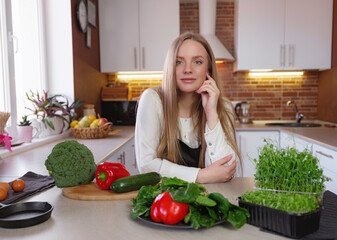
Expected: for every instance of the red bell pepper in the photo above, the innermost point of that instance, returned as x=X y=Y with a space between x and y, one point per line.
x=108 y=172
x=165 y=210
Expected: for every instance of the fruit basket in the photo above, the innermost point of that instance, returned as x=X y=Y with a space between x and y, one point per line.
x=90 y=133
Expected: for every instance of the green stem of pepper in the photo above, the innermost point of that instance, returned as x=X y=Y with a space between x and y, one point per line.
x=102 y=176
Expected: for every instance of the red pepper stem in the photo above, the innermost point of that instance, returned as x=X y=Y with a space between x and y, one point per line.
x=102 y=176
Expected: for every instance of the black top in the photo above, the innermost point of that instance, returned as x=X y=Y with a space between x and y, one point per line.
x=190 y=156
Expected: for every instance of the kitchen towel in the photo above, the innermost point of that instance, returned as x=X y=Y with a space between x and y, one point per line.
x=328 y=222
x=34 y=183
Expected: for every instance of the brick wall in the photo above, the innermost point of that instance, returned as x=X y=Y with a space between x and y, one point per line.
x=268 y=96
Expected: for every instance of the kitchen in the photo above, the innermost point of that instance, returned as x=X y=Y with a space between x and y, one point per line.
x=312 y=93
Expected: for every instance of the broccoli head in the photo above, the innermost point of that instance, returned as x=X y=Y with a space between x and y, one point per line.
x=70 y=164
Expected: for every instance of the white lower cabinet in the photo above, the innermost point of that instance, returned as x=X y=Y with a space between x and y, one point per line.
x=249 y=144
x=327 y=157
x=290 y=140
x=126 y=155
x=328 y=162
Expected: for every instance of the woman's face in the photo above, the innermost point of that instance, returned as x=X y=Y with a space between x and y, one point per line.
x=191 y=66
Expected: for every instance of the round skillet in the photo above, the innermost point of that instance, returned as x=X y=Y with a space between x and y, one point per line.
x=25 y=214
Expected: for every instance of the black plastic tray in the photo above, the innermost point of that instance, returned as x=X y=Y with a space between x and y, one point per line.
x=288 y=224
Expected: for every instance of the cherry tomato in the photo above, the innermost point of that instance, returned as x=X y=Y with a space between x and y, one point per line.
x=5 y=186
x=18 y=185
x=3 y=193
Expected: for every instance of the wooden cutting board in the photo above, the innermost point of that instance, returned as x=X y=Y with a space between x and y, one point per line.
x=91 y=192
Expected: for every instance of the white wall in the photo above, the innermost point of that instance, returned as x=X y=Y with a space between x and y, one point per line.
x=59 y=47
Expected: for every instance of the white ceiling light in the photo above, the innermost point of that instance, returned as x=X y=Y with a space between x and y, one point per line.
x=207 y=24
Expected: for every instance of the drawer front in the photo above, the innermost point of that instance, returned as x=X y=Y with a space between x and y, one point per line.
x=327 y=158
x=328 y=162
x=290 y=140
x=332 y=184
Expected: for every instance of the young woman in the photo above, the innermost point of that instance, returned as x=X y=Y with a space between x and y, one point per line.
x=185 y=128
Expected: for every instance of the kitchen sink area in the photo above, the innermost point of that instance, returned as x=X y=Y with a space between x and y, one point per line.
x=293 y=124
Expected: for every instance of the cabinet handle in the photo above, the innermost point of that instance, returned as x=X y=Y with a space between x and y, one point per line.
x=15 y=40
x=135 y=54
x=324 y=154
x=293 y=55
x=120 y=158
x=282 y=55
x=143 y=53
x=134 y=154
x=123 y=158
x=289 y=55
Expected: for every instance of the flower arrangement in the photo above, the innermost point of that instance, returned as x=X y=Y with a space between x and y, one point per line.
x=53 y=106
x=5 y=139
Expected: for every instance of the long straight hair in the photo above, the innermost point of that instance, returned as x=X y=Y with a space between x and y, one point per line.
x=169 y=94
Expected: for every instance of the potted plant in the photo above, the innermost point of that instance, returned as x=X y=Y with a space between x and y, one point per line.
x=289 y=187
x=54 y=111
x=25 y=130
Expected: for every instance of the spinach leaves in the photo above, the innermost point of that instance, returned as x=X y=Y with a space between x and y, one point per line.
x=204 y=209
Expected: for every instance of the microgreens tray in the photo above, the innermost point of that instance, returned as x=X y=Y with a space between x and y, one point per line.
x=292 y=225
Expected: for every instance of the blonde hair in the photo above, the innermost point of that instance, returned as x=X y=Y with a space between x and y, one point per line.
x=169 y=94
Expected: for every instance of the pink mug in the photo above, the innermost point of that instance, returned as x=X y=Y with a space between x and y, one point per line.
x=26 y=133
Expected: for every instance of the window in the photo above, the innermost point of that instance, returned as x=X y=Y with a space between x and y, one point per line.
x=22 y=53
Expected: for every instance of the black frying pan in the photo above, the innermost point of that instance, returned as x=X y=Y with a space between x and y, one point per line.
x=25 y=214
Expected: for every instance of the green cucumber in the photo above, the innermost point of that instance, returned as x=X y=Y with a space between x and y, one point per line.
x=135 y=182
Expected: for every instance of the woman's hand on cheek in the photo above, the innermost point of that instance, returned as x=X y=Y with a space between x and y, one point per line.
x=217 y=172
x=209 y=96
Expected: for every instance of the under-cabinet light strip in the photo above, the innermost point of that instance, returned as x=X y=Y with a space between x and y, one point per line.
x=259 y=74
x=139 y=75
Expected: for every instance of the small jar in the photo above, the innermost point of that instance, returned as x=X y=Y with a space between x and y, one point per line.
x=89 y=110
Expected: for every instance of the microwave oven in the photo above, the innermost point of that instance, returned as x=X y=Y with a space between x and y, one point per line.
x=120 y=112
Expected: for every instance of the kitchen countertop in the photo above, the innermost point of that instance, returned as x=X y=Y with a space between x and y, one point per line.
x=33 y=160
x=325 y=136
x=72 y=219
x=75 y=219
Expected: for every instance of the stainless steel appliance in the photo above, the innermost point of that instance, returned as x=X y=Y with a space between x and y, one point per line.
x=242 y=112
x=120 y=112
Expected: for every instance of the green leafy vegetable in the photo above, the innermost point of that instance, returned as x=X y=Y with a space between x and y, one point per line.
x=205 y=201
x=222 y=204
x=287 y=179
x=236 y=216
x=288 y=169
x=143 y=202
x=188 y=194
x=71 y=163
x=204 y=209
x=288 y=202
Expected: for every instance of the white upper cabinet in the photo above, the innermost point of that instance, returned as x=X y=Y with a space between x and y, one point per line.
x=136 y=34
x=283 y=34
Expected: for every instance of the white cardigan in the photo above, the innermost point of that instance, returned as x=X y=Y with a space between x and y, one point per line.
x=148 y=134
